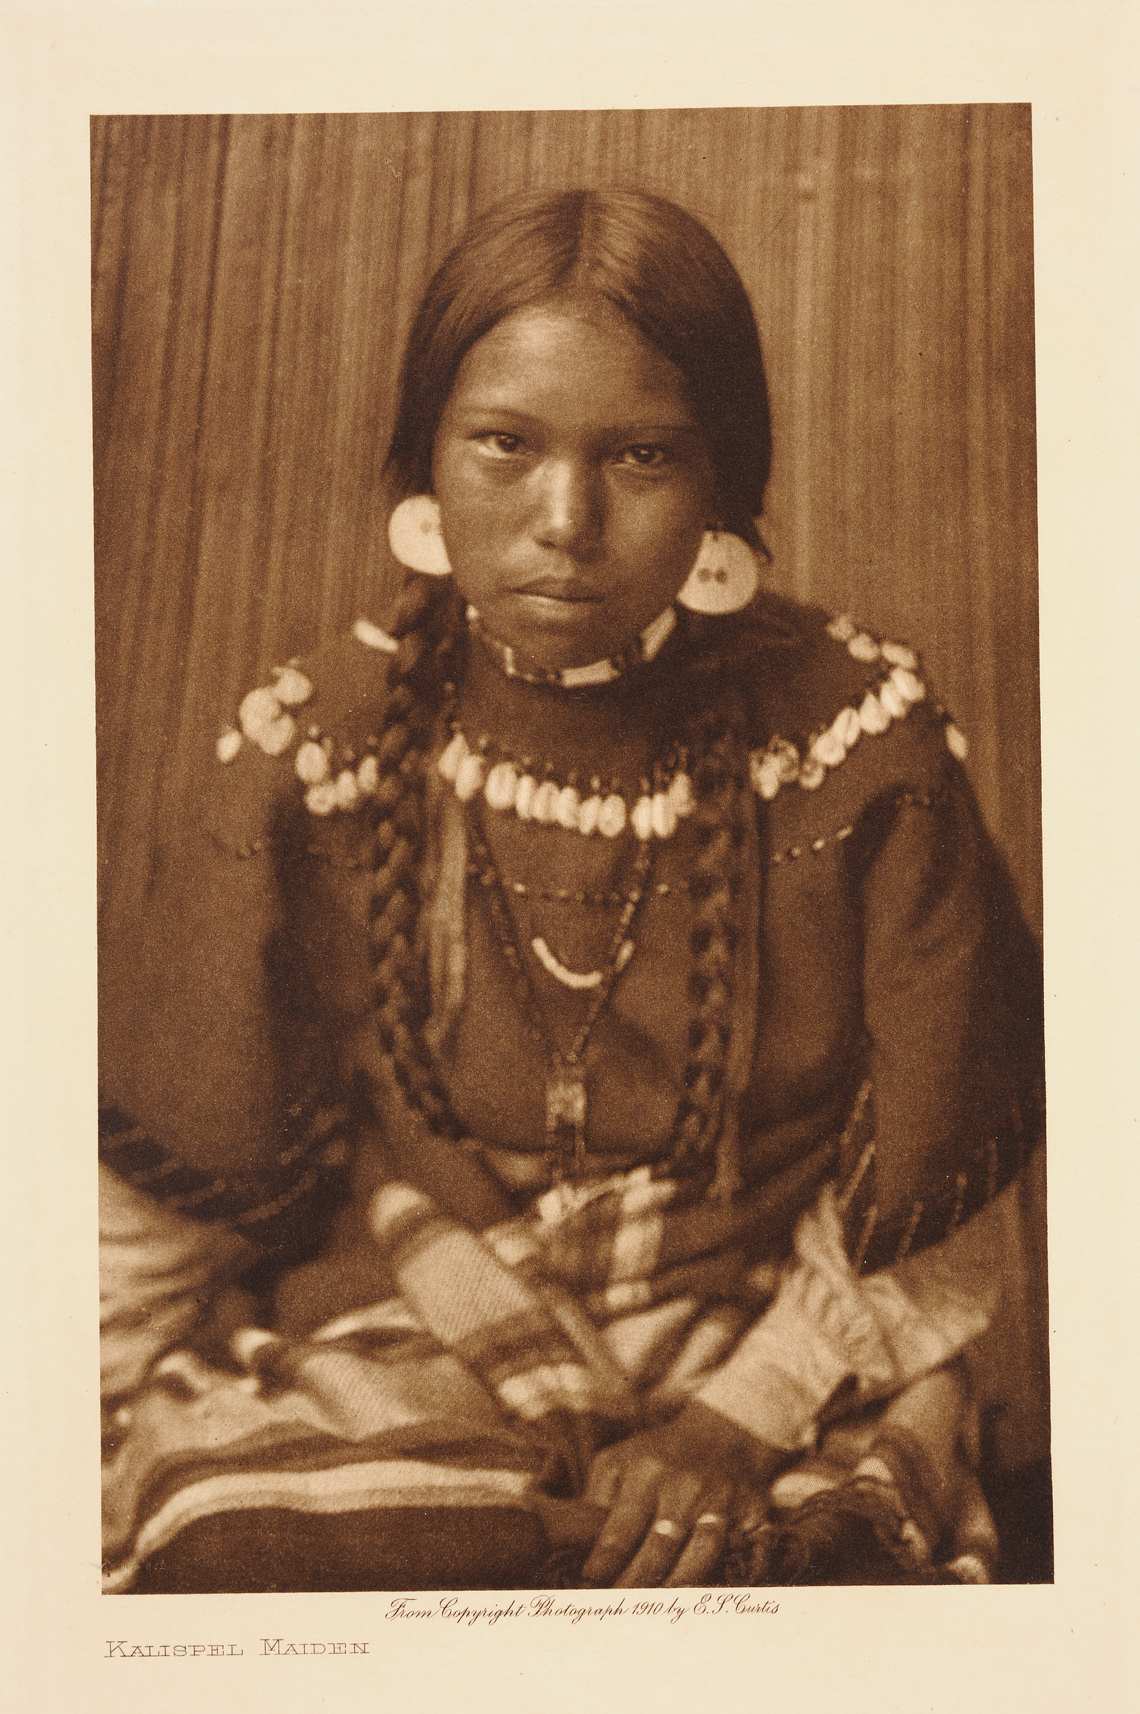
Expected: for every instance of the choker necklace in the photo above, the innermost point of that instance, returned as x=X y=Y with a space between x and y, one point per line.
x=515 y=783
x=513 y=664
x=565 y=1076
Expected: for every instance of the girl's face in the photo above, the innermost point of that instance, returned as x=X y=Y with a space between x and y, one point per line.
x=573 y=482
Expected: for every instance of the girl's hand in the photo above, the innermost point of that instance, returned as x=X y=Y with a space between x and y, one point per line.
x=672 y=1493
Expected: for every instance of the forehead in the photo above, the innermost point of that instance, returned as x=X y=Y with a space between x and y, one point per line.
x=576 y=361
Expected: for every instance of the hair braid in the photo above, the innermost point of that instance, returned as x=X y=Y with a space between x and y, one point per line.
x=426 y=626
x=717 y=783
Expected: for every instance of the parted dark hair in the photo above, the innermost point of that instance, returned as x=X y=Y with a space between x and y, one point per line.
x=671 y=280
x=655 y=264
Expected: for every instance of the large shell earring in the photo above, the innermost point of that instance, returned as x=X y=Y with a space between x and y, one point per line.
x=724 y=577
x=415 y=537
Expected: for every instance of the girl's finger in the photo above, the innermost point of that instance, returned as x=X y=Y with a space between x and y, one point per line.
x=603 y=1480
x=679 y=1501
x=619 y=1536
x=702 y=1553
x=659 y=1552
x=976 y=1548
x=753 y=1514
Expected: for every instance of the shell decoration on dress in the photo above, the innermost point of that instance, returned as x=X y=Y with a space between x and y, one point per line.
x=889 y=698
x=342 y=781
x=264 y=719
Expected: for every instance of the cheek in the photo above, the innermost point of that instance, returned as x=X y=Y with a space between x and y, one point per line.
x=676 y=511
x=665 y=531
x=470 y=511
x=477 y=532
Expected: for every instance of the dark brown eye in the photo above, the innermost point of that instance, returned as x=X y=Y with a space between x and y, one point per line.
x=498 y=444
x=644 y=457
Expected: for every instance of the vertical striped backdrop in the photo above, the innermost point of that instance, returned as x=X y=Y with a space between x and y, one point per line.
x=254 y=278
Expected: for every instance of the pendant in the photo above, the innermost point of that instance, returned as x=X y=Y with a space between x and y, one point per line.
x=573 y=978
x=566 y=1115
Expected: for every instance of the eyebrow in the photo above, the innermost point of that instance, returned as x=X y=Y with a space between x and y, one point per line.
x=476 y=411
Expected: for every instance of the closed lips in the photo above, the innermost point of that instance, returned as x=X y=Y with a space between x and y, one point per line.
x=559 y=589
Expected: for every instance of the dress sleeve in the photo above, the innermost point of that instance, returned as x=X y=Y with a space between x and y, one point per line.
x=827 y=1327
x=883 y=1287
x=212 y=1081
x=952 y=1006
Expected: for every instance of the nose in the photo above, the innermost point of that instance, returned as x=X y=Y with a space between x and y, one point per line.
x=570 y=505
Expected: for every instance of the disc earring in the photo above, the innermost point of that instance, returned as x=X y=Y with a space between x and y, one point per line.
x=724 y=577
x=415 y=538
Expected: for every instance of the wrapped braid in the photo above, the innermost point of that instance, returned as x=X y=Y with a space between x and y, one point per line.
x=426 y=625
x=718 y=781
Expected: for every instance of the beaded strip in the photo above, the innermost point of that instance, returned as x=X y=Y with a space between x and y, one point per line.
x=567 y=896
x=903 y=799
x=993 y=1164
x=792 y=852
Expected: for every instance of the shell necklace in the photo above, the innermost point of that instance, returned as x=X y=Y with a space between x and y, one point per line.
x=535 y=794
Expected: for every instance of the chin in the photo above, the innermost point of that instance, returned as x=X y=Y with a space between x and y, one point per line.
x=558 y=633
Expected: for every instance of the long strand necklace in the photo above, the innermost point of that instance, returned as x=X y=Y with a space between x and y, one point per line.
x=565 y=1076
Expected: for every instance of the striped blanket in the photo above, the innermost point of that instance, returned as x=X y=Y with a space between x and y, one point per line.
x=442 y=1438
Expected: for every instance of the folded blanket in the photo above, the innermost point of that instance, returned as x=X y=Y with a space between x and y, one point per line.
x=404 y=1444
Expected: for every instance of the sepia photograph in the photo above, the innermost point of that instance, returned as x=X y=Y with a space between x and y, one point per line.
x=571 y=1057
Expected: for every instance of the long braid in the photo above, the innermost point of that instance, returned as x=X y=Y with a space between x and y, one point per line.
x=426 y=625
x=713 y=885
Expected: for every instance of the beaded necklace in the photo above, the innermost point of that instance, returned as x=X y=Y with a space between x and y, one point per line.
x=572 y=896
x=565 y=1077
x=513 y=664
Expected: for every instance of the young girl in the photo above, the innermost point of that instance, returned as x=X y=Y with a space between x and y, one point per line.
x=588 y=1009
